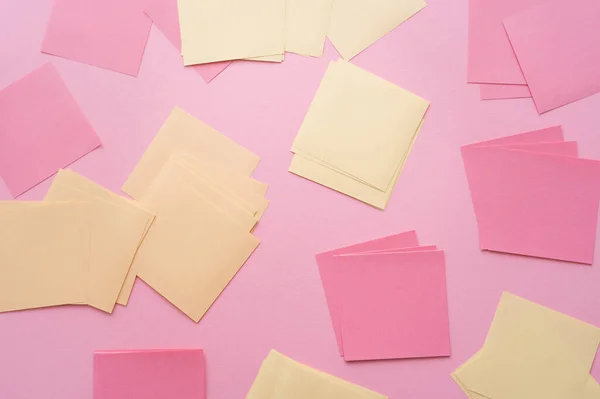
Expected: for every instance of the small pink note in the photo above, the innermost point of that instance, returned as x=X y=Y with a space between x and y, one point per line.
x=152 y=374
x=42 y=130
x=503 y=92
x=394 y=305
x=556 y=44
x=109 y=34
x=165 y=15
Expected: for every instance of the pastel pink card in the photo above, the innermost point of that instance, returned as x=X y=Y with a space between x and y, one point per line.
x=42 y=130
x=152 y=374
x=546 y=135
x=503 y=92
x=556 y=44
x=165 y=15
x=491 y=58
x=394 y=305
x=109 y=34
x=534 y=204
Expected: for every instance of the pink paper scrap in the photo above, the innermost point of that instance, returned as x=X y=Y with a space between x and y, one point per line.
x=503 y=92
x=42 y=130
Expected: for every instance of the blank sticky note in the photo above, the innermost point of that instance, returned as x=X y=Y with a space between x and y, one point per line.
x=221 y=30
x=306 y=26
x=150 y=374
x=556 y=44
x=109 y=34
x=184 y=133
x=357 y=24
x=42 y=129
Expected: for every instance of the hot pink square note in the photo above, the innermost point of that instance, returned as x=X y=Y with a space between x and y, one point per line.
x=109 y=34
x=153 y=374
x=394 y=305
x=42 y=130
x=556 y=44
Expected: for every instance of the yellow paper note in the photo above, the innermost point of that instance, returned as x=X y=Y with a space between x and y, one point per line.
x=356 y=24
x=74 y=180
x=306 y=26
x=220 y=30
x=360 y=125
x=283 y=378
x=43 y=256
x=183 y=132
x=543 y=353
x=192 y=250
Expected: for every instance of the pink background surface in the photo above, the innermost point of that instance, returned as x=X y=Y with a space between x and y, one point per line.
x=276 y=301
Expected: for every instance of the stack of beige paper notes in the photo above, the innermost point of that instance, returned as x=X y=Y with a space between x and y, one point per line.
x=280 y=377
x=75 y=247
x=532 y=352
x=357 y=134
x=263 y=30
x=198 y=183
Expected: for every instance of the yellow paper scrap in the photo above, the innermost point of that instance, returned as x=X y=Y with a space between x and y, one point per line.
x=306 y=26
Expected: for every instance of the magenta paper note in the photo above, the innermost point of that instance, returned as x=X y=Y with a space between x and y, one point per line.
x=328 y=274
x=165 y=16
x=153 y=374
x=534 y=204
x=556 y=44
x=502 y=92
x=42 y=129
x=109 y=34
x=491 y=57
x=394 y=305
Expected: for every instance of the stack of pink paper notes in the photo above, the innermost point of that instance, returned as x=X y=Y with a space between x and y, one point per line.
x=387 y=298
x=545 y=49
x=533 y=196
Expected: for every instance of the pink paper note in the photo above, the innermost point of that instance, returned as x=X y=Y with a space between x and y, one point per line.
x=165 y=15
x=556 y=44
x=534 y=204
x=153 y=374
x=109 y=34
x=502 y=92
x=394 y=305
x=406 y=239
x=562 y=148
x=546 y=135
x=42 y=129
x=491 y=57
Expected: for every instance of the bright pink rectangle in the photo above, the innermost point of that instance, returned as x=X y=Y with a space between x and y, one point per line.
x=165 y=15
x=152 y=374
x=109 y=34
x=503 y=92
x=42 y=129
x=556 y=44
x=394 y=305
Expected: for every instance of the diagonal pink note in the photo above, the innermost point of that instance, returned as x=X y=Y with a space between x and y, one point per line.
x=164 y=14
x=152 y=374
x=549 y=134
x=394 y=305
x=109 y=34
x=556 y=44
x=503 y=92
x=42 y=130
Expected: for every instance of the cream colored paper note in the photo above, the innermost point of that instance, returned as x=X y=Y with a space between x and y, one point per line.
x=357 y=24
x=360 y=125
x=220 y=30
x=306 y=26
x=183 y=132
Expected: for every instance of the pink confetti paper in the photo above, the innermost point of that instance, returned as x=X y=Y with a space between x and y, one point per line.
x=152 y=374
x=42 y=129
x=109 y=34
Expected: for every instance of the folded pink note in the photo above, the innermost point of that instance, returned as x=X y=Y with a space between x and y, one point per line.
x=491 y=57
x=503 y=92
x=152 y=374
x=534 y=204
x=109 y=34
x=42 y=129
x=556 y=44
x=394 y=305
x=165 y=15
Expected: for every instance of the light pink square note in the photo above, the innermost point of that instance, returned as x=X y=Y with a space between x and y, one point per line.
x=109 y=34
x=152 y=374
x=556 y=44
x=42 y=129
